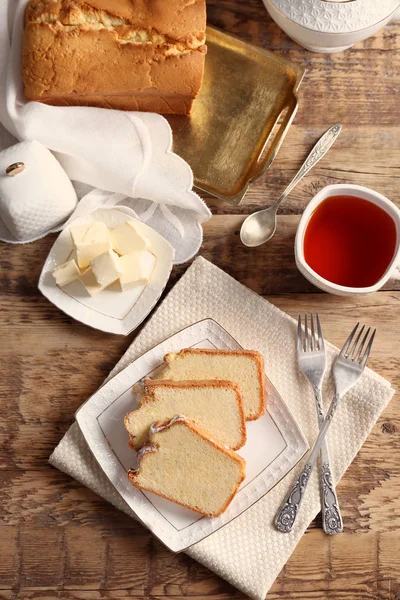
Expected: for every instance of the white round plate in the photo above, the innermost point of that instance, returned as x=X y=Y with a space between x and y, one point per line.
x=111 y=310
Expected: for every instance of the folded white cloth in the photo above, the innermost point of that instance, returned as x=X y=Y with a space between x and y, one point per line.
x=128 y=153
x=248 y=552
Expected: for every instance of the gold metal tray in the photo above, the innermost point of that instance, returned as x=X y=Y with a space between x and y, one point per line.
x=240 y=118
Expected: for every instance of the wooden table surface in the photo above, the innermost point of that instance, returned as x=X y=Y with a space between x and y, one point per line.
x=58 y=539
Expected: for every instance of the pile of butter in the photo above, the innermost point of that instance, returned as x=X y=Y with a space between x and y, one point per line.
x=102 y=256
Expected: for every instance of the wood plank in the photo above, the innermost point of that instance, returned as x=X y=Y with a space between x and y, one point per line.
x=48 y=497
x=368 y=492
x=85 y=558
x=97 y=558
x=42 y=438
x=362 y=155
x=34 y=492
x=182 y=576
x=27 y=445
x=42 y=560
x=55 y=383
x=351 y=85
x=268 y=270
x=353 y=575
x=58 y=539
x=346 y=566
x=65 y=384
x=9 y=557
x=388 y=554
x=341 y=567
x=104 y=595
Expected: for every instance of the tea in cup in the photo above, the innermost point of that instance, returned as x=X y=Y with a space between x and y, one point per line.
x=348 y=240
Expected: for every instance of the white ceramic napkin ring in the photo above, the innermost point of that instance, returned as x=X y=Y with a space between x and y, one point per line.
x=15 y=168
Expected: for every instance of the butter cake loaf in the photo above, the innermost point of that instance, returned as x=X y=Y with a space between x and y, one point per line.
x=145 y=55
x=244 y=367
x=185 y=466
x=215 y=406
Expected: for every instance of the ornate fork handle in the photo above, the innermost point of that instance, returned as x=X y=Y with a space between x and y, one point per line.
x=287 y=515
x=331 y=518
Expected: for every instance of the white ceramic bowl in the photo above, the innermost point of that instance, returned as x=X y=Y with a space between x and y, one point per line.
x=325 y=26
x=392 y=272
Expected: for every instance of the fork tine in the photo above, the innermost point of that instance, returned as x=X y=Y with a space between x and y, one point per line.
x=306 y=333
x=348 y=341
x=314 y=343
x=354 y=347
x=367 y=350
x=357 y=357
x=321 y=342
x=299 y=335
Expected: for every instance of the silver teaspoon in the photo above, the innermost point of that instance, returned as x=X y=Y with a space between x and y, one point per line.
x=259 y=227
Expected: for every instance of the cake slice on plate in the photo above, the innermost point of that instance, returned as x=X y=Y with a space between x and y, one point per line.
x=185 y=466
x=244 y=367
x=216 y=406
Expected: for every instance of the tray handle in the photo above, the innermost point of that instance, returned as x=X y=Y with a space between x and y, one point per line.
x=262 y=165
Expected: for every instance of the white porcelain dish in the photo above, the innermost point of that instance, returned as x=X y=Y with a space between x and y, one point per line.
x=275 y=443
x=325 y=26
x=111 y=310
x=393 y=271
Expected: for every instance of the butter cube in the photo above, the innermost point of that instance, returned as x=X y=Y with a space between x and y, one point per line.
x=137 y=269
x=106 y=268
x=90 y=240
x=66 y=273
x=90 y=283
x=126 y=239
x=89 y=233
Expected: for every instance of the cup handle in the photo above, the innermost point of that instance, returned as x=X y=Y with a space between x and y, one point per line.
x=396 y=273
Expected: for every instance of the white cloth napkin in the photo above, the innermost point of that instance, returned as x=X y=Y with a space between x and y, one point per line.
x=128 y=153
x=248 y=552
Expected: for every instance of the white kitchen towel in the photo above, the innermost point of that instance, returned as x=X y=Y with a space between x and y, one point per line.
x=248 y=552
x=128 y=153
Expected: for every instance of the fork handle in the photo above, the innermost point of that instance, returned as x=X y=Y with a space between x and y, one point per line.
x=331 y=518
x=287 y=515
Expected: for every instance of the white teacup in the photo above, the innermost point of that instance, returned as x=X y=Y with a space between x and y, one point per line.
x=393 y=269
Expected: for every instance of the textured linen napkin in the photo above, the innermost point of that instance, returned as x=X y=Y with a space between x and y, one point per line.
x=128 y=153
x=248 y=552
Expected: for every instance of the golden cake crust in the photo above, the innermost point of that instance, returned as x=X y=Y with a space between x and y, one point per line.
x=124 y=54
x=178 y=19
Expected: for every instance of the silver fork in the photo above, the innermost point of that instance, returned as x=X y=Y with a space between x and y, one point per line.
x=347 y=370
x=312 y=363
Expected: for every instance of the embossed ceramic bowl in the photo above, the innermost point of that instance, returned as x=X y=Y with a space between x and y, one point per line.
x=326 y=26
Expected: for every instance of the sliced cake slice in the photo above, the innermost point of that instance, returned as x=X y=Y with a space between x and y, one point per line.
x=185 y=466
x=244 y=367
x=216 y=406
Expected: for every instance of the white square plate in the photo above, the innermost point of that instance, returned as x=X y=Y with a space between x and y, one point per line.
x=111 y=310
x=274 y=443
